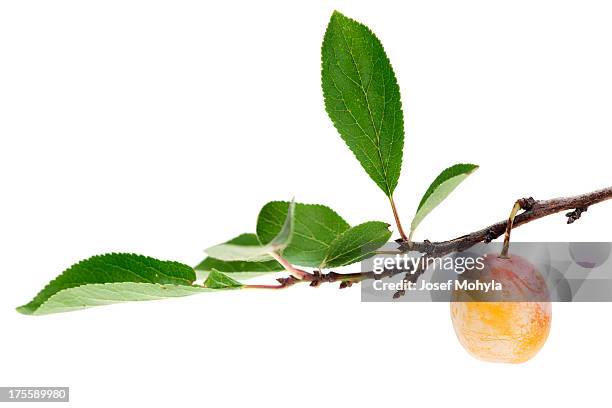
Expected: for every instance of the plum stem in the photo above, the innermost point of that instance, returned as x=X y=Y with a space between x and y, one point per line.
x=515 y=208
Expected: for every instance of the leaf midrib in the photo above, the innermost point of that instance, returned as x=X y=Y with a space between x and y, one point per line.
x=306 y=237
x=371 y=116
x=347 y=251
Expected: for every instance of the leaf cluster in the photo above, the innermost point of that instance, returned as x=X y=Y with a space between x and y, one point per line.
x=362 y=99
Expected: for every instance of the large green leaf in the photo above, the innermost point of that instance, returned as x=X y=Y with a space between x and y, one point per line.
x=101 y=294
x=257 y=253
x=316 y=227
x=362 y=98
x=113 y=278
x=441 y=187
x=356 y=244
x=238 y=269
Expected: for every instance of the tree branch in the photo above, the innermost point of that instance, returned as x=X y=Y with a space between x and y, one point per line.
x=317 y=278
x=533 y=210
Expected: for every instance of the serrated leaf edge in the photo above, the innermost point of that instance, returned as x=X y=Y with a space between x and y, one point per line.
x=326 y=260
x=82 y=261
x=390 y=189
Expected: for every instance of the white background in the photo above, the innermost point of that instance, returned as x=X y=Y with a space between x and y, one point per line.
x=161 y=127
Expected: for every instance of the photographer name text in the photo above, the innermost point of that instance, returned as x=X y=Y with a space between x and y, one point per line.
x=451 y=284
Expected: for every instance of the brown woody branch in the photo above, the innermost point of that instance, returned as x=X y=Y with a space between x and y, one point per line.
x=316 y=278
x=533 y=210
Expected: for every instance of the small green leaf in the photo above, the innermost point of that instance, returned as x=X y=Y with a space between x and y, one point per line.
x=257 y=253
x=113 y=278
x=356 y=244
x=238 y=269
x=316 y=227
x=441 y=187
x=362 y=98
x=218 y=280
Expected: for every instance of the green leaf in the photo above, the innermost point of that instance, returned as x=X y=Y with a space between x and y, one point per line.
x=356 y=244
x=441 y=187
x=362 y=98
x=218 y=280
x=113 y=278
x=316 y=227
x=101 y=294
x=257 y=253
x=238 y=269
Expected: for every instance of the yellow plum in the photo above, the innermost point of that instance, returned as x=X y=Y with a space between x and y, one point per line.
x=503 y=330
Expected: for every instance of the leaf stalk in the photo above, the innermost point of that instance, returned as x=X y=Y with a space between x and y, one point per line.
x=398 y=222
x=295 y=272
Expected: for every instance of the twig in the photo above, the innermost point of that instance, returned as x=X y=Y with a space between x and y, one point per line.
x=413 y=276
x=533 y=210
x=317 y=278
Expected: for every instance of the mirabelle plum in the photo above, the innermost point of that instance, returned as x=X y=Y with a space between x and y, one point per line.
x=504 y=331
